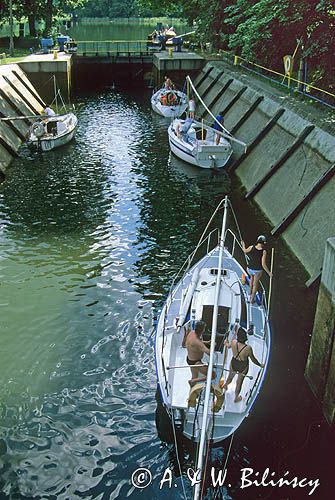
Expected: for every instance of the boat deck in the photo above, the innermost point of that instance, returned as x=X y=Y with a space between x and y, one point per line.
x=172 y=365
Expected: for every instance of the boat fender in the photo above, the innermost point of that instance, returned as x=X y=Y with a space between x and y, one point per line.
x=196 y=390
x=38 y=129
x=194 y=394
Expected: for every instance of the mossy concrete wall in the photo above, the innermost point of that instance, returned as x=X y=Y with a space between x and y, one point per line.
x=18 y=98
x=309 y=229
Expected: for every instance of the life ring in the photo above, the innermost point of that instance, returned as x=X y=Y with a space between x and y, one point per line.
x=38 y=129
x=218 y=393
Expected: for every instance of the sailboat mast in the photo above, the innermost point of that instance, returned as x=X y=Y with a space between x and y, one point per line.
x=55 y=93
x=226 y=132
x=211 y=353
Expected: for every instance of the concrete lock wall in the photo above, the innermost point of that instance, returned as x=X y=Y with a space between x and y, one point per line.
x=320 y=368
x=42 y=69
x=295 y=180
x=17 y=98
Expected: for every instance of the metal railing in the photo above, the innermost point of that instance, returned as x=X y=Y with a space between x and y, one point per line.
x=113 y=47
x=266 y=335
x=302 y=87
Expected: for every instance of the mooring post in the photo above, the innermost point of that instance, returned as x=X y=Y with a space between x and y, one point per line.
x=320 y=368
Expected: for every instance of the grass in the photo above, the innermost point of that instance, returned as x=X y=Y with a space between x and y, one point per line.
x=19 y=54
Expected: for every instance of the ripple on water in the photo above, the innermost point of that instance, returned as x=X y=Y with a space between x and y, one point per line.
x=89 y=246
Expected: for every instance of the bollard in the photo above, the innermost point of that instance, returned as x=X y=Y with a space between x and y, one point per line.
x=55 y=53
x=235 y=60
x=170 y=51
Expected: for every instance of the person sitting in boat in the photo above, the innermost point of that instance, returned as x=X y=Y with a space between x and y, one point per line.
x=168 y=85
x=183 y=128
x=163 y=100
x=257 y=262
x=171 y=98
x=217 y=126
x=195 y=349
x=240 y=361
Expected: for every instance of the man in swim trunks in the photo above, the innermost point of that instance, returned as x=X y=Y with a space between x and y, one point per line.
x=195 y=349
x=240 y=361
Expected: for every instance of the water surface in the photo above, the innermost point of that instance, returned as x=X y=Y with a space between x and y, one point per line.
x=91 y=236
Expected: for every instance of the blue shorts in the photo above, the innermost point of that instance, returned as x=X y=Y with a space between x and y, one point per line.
x=253 y=272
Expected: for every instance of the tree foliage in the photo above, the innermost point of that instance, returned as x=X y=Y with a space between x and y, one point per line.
x=266 y=30
x=38 y=10
x=111 y=8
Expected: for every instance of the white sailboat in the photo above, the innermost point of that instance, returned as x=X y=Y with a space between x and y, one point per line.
x=52 y=131
x=198 y=146
x=198 y=143
x=214 y=291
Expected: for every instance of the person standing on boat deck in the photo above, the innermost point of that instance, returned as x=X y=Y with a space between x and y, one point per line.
x=240 y=361
x=191 y=108
x=168 y=85
x=183 y=128
x=195 y=349
x=257 y=262
x=49 y=111
x=217 y=126
x=51 y=125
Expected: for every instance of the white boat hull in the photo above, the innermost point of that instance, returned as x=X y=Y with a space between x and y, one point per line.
x=201 y=153
x=172 y=111
x=49 y=141
x=173 y=372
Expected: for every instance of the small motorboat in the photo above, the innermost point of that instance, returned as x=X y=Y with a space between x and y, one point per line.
x=198 y=145
x=213 y=290
x=169 y=103
x=52 y=131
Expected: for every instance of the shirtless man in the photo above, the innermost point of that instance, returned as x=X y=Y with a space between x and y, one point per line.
x=195 y=349
x=240 y=361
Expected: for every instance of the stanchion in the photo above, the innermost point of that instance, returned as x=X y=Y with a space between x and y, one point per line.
x=270 y=286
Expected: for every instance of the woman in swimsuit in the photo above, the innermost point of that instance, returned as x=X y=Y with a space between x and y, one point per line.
x=240 y=361
x=257 y=262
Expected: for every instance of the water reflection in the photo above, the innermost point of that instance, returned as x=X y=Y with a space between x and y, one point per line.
x=119 y=31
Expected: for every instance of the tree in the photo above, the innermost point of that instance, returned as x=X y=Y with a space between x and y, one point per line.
x=39 y=10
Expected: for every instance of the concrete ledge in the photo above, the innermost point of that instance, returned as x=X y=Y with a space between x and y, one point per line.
x=178 y=61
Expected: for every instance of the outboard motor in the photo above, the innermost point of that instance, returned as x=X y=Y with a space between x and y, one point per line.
x=179 y=417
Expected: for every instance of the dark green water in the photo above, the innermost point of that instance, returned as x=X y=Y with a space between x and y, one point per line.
x=121 y=31
x=91 y=236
